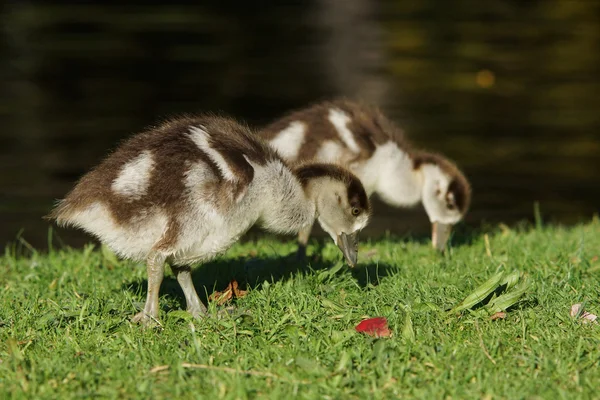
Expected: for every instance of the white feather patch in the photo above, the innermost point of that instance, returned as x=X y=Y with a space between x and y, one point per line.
x=134 y=178
x=133 y=240
x=435 y=187
x=197 y=175
x=288 y=141
x=274 y=198
x=331 y=152
x=340 y=120
x=390 y=173
x=200 y=138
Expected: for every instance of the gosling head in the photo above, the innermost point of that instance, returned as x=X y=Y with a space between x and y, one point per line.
x=446 y=195
x=342 y=205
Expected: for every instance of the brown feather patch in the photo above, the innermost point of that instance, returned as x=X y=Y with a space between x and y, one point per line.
x=368 y=125
x=173 y=152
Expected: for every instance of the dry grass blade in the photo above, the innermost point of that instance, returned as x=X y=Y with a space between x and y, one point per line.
x=263 y=374
x=159 y=368
x=488 y=248
x=482 y=344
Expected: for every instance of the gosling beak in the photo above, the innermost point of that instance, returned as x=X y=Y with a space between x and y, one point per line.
x=348 y=243
x=439 y=235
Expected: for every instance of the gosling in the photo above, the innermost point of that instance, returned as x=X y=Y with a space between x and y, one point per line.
x=185 y=191
x=360 y=137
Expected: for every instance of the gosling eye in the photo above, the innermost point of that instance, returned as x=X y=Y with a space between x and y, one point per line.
x=355 y=211
x=338 y=197
x=450 y=206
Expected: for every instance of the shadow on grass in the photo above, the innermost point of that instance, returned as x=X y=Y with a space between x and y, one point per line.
x=250 y=271
x=461 y=236
x=253 y=272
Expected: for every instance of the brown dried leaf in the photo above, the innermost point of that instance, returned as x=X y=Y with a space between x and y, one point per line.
x=576 y=309
x=589 y=317
x=222 y=297
x=498 y=315
x=237 y=292
x=231 y=291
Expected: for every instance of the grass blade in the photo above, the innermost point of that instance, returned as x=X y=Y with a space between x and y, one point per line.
x=408 y=332
x=509 y=299
x=511 y=280
x=480 y=293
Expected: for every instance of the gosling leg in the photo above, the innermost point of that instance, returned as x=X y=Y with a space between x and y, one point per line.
x=194 y=305
x=303 y=236
x=155 y=267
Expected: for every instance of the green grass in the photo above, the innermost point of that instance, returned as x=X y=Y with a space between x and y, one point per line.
x=65 y=330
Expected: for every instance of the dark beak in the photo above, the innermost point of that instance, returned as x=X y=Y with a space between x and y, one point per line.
x=439 y=235
x=348 y=243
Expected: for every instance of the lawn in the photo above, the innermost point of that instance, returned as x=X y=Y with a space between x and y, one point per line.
x=65 y=330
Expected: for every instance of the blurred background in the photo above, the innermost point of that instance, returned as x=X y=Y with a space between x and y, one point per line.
x=508 y=89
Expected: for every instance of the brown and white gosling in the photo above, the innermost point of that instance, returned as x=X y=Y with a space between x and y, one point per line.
x=374 y=148
x=186 y=190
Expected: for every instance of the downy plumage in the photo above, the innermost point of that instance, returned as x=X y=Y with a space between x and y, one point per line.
x=186 y=190
x=361 y=138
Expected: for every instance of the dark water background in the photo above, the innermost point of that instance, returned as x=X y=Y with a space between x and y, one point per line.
x=509 y=89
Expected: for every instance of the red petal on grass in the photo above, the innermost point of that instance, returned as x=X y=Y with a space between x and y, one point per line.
x=376 y=327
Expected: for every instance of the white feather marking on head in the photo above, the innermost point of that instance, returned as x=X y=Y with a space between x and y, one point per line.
x=435 y=189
